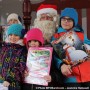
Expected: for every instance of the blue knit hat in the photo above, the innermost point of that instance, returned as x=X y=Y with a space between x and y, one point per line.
x=15 y=29
x=70 y=12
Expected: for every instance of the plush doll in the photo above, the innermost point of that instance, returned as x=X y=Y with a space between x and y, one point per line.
x=74 y=56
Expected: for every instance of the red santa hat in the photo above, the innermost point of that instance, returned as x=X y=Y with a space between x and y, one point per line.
x=52 y=9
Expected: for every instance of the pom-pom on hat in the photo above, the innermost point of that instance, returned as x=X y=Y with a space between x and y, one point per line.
x=15 y=29
x=14 y=16
x=70 y=12
x=35 y=34
x=47 y=8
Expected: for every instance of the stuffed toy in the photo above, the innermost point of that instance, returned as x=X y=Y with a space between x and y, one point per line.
x=74 y=56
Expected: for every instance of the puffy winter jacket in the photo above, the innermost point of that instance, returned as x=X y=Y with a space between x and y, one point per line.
x=78 y=71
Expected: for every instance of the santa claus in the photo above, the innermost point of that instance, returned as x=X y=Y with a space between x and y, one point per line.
x=47 y=20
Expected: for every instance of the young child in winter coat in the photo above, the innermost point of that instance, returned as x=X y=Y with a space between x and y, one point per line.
x=68 y=20
x=12 y=18
x=35 y=38
x=13 y=58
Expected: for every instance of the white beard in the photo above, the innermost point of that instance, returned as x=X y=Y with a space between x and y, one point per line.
x=47 y=27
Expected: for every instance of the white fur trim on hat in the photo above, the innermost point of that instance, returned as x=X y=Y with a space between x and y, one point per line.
x=47 y=10
x=13 y=16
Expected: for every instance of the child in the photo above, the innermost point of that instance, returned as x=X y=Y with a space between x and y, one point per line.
x=12 y=18
x=34 y=38
x=12 y=58
x=68 y=20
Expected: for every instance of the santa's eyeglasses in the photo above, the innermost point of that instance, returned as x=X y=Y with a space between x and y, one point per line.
x=46 y=17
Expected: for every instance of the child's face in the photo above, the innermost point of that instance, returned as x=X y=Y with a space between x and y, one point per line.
x=33 y=43
x=67 y=23
x=13 y=38
x=12 y=21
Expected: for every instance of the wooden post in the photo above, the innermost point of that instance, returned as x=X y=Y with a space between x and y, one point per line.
x=27 y=14
x=79 y=16
x=88 y=23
